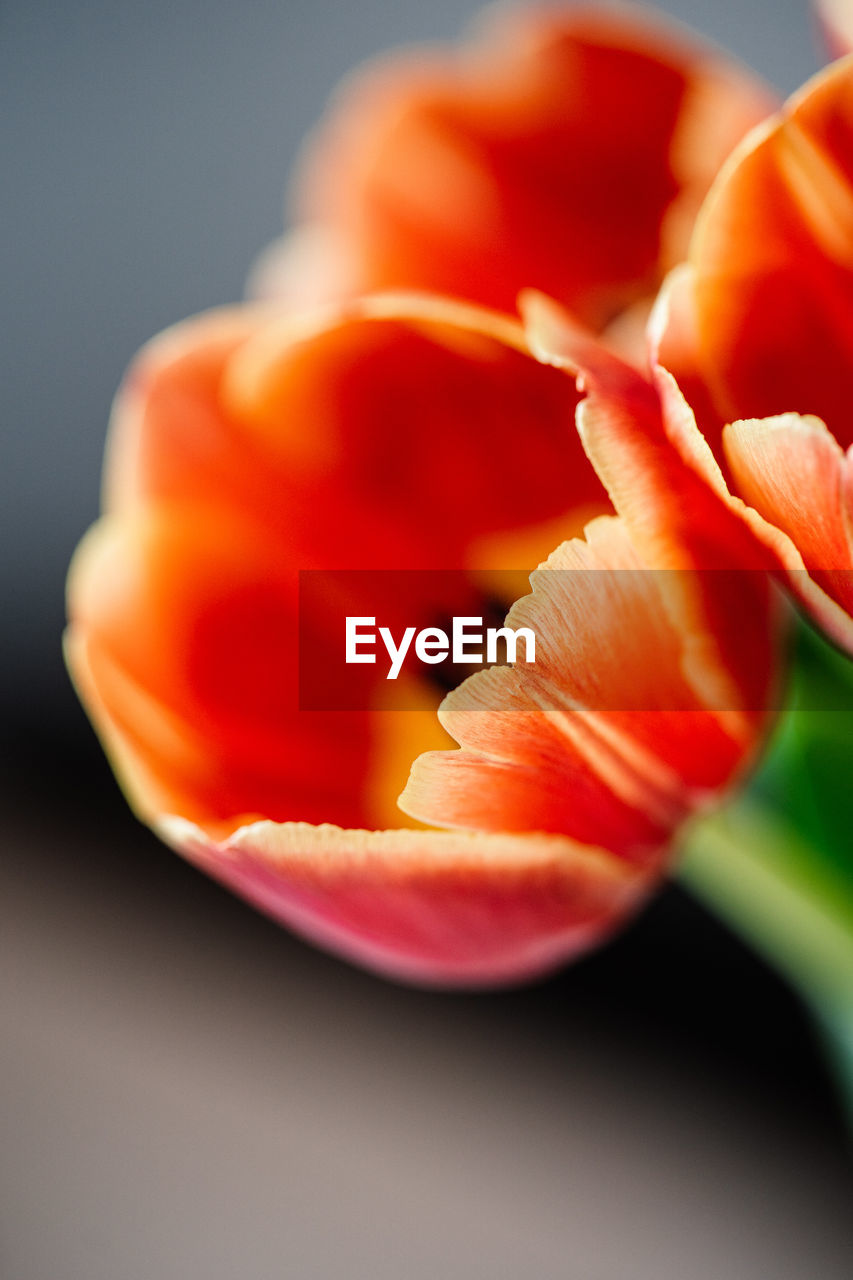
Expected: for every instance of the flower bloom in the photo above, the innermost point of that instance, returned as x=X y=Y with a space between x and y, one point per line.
x=766 y=306
x=565 y=150
x=416 y=434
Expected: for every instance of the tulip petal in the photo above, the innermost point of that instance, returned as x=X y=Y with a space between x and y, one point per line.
x=675 y=346
x=773 y=261
x=794 y=473
x=373 y=413
x=660 y=474
x=424 y=906
x=771 y=271
x=183 y=639
x=525 y=768
x=672 y=344
x=504 y=164
x=419 y=404
x=595 y=740
x=171 y=393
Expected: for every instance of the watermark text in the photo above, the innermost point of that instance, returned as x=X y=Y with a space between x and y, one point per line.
x=469 y=642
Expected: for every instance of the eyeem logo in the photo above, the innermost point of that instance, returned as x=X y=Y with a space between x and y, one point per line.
x=433 y=645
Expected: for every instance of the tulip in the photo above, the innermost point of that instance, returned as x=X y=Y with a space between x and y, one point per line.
x=564 y=150
x=413 y=434
x=761 y=334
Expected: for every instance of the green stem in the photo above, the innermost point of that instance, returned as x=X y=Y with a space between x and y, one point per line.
x=763 y=880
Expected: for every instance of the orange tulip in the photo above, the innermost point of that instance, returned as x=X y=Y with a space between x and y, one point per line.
x=763 y=329
x=560 y=149
x=413 y=434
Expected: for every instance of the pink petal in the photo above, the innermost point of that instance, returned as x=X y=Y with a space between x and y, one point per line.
x=431 y=907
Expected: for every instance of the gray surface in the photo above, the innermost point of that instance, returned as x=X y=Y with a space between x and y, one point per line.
x=189 y=1093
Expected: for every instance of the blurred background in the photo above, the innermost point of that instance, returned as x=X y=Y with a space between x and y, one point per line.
x=187 y=1090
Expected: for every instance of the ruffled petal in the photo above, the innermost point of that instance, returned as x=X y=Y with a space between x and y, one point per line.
x=430 y=907
x=606 y=739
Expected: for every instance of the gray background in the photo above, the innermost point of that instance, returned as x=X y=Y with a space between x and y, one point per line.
x=187 y=1091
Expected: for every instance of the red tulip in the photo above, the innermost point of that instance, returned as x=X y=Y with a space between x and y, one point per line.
x=413 y=434
x=763 y=339
x=562 y=149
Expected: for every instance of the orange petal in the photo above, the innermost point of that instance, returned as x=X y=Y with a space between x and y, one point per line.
x=429 y=907
x=795 y=474
x=526 y=768
x=418 y=405
x=663 y=480
x=675 y=347
x=645 y=447
x=373 y=414
x=170 y=437
x=504 y=163
x=672 y=343
x=183 y=639
x=596 y=740
x=773 y=261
